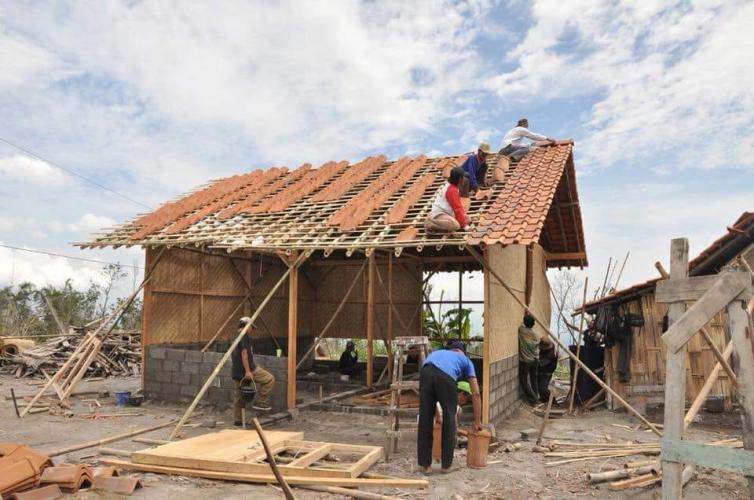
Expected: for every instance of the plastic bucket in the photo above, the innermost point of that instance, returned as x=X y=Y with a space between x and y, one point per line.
x=479 y=446
x=121 y=397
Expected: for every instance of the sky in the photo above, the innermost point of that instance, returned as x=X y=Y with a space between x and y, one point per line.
x=151 y=99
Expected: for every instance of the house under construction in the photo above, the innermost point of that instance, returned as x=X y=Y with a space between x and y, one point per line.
x=350 y=239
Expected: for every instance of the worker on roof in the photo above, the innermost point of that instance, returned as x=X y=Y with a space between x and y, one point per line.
x=513 y=143
x=447 y=213
x=349 y=360
x=244 y=371
x=475 y=167
x=438 y=383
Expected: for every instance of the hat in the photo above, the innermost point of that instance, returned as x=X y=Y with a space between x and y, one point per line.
x=244 y=321
x=457 y=344
x=456 y=174
x=463 y=386
x=485 y=148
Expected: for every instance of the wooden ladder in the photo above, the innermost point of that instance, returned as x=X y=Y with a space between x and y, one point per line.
x=402 y=346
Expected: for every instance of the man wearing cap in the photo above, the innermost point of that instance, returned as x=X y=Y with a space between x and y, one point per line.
x=447 y=213
x=513 y=146
x=244 y=370
x=438 y=383
x=476 y=167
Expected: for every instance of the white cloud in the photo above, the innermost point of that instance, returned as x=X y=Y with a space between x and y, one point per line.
x=674 y=80
x=89 y=223
x=22 y=61
x=22 y=168
x=18 y=267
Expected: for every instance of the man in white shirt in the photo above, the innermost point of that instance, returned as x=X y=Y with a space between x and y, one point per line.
x=512 y=145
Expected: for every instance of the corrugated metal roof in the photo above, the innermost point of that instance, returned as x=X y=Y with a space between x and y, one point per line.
x=374 y=203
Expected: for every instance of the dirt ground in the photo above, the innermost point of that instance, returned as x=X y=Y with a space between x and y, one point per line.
x=520 y=474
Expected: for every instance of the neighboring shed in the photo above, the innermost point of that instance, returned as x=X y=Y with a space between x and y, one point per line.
x=648 y=353
x=222 y=248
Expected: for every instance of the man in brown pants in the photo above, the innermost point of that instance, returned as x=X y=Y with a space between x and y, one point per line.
x=243 y=369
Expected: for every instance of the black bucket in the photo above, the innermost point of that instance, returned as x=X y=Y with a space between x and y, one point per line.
x=248 y=390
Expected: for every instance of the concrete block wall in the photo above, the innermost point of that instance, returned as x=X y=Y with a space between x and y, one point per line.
x=503 y=388
x=177 y=373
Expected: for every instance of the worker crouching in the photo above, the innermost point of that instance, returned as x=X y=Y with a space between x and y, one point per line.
x=447 y=214
x=245 y=371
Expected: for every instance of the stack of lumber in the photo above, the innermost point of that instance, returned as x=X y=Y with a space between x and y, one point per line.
x=409 y=399
x=238 y=455
x=571 y=451
x=120 y=355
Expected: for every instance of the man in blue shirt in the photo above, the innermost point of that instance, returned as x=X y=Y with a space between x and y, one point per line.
x=476 y=167
x=438 y=381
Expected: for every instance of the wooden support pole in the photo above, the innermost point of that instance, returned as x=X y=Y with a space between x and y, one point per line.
x=675 y=378
x=706 y=388
x=232 y=347
x=554 y=338
x=578 y=348
x=274 y=466
x=370 y=321
x=740 y=335
x=292 y=333
x=334 y=315
x=389 y=343
x=545 y=419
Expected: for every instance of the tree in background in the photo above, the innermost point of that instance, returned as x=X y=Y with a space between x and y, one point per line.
x=567 y=289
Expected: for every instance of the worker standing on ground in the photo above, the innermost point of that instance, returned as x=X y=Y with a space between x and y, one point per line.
x=528 y=359
x=438 y=383
x=348 y=363
x=475 y=167
x=245 y=371
x=548 y=363
x=447 y=213
x=513 y=146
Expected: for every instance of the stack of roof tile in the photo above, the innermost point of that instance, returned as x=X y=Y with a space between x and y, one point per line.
x=301 y=188
x=354 y=175
x=70 y=478
x=20 y=467
x=49 y=492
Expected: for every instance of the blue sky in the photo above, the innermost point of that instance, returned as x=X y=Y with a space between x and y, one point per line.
x=154 y=98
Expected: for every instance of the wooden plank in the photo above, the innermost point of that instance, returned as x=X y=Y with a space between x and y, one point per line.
x=269 y=478
x=292 y=334
x=740 y=334
x=686 y=290
x=311 y=457
x=366 y=462
x=675 y=381
x=704 y=455
x=727 y=287
x=370 y=321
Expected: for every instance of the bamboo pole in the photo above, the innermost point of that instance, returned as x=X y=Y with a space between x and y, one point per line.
x=578 y=350
x=110 y=439
x=334 y=315
x=617 y=280
x=233 y=345
x=583 y=366
x=271 y=458
x=348 y=492
x=370 y=321
x=611 y=475
x=719 y=356
x=544 y=420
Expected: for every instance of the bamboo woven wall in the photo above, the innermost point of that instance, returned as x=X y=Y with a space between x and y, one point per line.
x=502 y=312
x=333 y=283
x=648 y=355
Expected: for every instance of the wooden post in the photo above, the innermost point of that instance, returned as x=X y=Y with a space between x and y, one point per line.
x=370 y=321
x=675 y=378
x=740 y=335
x=232 y=347
x=292 y=333
x=271 y=458
x=544 y=420
x=390 y=316
x=578 y=348
x=486 y=377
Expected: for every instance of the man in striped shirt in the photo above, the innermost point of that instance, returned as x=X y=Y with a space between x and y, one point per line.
x=447 y=213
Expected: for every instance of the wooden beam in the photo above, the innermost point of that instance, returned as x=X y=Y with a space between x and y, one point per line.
x=678 y=451
x=725 y=289
x=721 y=360
x=688 y=289
x=292 y=333
x=370 y=321
x=740 y=334
x=390 y=316
x=675 y=377
x=565 y=256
